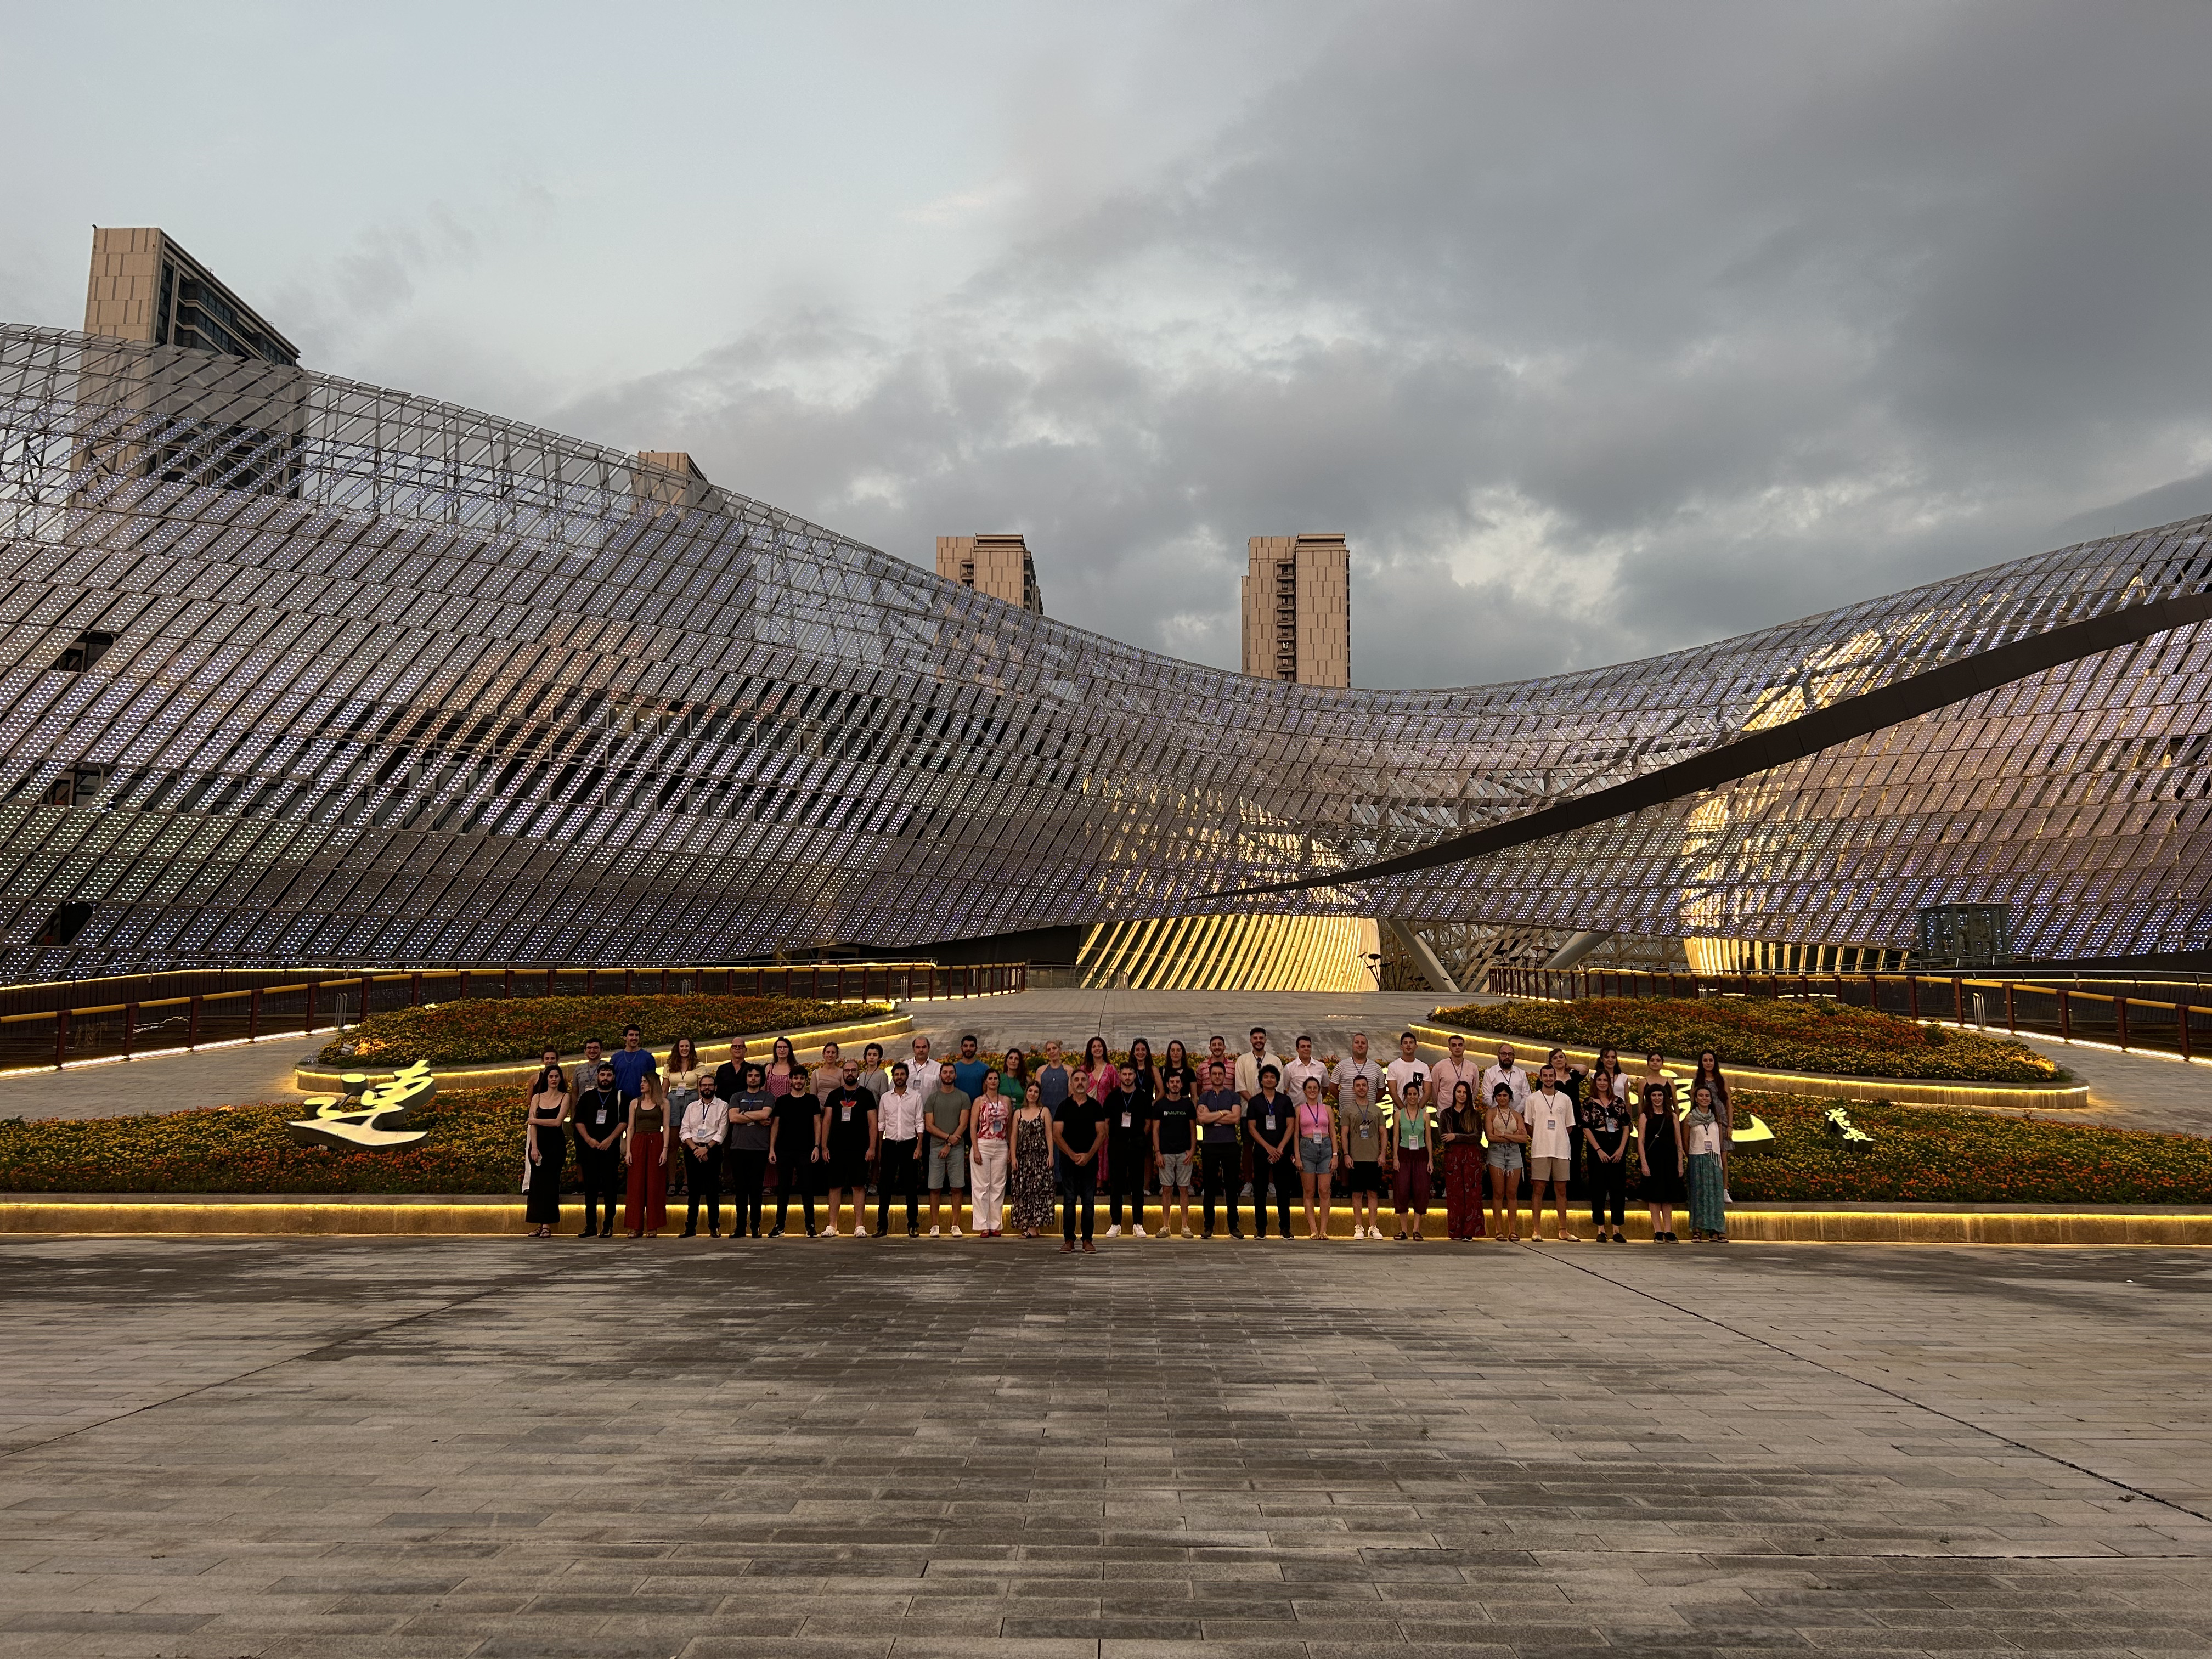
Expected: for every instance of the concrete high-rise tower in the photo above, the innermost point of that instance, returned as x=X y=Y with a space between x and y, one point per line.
x=1297 y=610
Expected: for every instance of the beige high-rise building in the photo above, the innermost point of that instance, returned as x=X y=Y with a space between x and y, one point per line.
x=144 y=287
x=1297 y=610
x=1000 y=566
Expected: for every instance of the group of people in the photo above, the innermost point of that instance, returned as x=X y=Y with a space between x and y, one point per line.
x=1019 y=1137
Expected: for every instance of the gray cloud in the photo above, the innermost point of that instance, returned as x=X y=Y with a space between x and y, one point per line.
x=1602 y=330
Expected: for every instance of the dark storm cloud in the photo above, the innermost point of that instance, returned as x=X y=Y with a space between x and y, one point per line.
x=1600 y=329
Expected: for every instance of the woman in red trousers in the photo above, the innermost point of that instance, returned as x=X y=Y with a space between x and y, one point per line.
x=646 y=1150
x=1460 y=1126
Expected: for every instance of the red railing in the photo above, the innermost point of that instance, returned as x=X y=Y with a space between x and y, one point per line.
x=2173 y=1018
x=59 y=1022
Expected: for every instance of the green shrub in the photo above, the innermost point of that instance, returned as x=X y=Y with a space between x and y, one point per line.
x=1795 y=1034
x=486 y=1029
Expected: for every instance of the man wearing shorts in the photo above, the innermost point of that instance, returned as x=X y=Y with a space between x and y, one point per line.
x=1174 y=1117
x=1359 y=1132
x=945 y=1121
x=1410 y=1140
x=1550 y=1115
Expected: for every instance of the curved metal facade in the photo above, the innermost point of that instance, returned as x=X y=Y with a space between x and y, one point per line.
x=302 y=670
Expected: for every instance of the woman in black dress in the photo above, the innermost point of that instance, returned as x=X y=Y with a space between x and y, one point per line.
x=1178 y=1061
x=547 y=1141
x=1659 y=1161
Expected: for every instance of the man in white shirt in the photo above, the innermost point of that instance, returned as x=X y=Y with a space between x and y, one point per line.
x=1305 y=1066
x=922 y=1071
x=1408 y=1068
x=1447 y=1074
x=1549 y=1116
x=1248 y=1065
x=1512 y=1076
x=898 y=1129
x=706 y=1120
x=1358 y=1066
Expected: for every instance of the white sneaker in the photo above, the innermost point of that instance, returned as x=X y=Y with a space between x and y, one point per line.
x=1374 y=1232
x=1139 y=1232
x=1187 y=1233
x=956 y=1232
x=1114 y=1231
x=932 y=1232
x=828 y=1232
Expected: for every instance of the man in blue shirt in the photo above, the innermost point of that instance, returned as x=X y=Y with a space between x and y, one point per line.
x=632 y=1061
x=968 y=1070
x=1219 y=1110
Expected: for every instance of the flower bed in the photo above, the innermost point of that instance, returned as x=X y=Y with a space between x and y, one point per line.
x=1951 y=1155
x=484 y=1030
x=1925 y=1153
x=1808 y=1034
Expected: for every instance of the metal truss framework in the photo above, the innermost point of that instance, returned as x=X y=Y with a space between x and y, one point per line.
x=302 y=670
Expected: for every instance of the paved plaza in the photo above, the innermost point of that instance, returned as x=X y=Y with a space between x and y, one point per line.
x=432 y=1447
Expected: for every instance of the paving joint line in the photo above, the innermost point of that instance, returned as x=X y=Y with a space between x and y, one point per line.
x=1879 y=1388
x=256 y=1370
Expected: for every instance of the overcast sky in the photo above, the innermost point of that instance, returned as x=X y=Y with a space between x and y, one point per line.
x=1600 y=329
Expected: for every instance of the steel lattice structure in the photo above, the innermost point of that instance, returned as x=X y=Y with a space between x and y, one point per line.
x=362 y=676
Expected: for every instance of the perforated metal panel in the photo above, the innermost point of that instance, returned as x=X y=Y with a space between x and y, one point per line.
x=393 y=681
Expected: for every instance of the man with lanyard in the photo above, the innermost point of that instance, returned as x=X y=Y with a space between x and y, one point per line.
x=1358 y=1066
x=1549 y=1116
x=1273 y=1118
x=1173 y=1119
x=922 y=1073
x=706 y=1123
x=1455 y=1068
x=1305 y=1066
x=1362 y=1141
x=967 y=1071
x=852 y=1146
x=1248 y=1086
x=1129 y=1137
x=1409 y=1155
x=600 y=1117
x=588 y=1069
x=1507 y=1073
x=898 y=1151
x=1221 y=1108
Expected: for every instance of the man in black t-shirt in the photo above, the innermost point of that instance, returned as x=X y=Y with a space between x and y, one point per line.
x=1129 y=1137
x=600 y=1117
x=1079 y=1134
x=1174 y=1118
x=794 y=1149
x=850 y=1143
x=1271 y=1119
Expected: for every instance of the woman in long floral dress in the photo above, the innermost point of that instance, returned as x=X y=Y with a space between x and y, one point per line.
x=1031 y=1210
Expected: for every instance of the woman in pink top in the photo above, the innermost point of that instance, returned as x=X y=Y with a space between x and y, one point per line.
x=781 y=1058
x=1098 y=1067
x=993 y=1113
